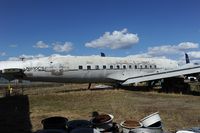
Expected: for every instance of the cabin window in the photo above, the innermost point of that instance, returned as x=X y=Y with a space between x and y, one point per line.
x=80 y=67
x=104 y=66
x=155 y=66
x=135 y=66
x=111 y=67
x=88 y=67
x=41 y=69
x=146 y=67
x=130 y=66
x=140 y=66
x=150 y=66
x=124 y=66
x=97 y=67
x=118 y=67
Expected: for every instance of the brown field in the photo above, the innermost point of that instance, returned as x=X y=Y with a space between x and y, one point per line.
x=24 y=113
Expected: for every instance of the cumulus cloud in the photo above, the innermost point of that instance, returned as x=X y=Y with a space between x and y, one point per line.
x=26 y=57
x=114 y=40
x=59 y=47
x=187 y=45
x=40 y=44
x=13 y=46
x=147 y=55
x=143 y=55
x=194 y=54
x=2 y=53
x=172 y=49
x=165 y=49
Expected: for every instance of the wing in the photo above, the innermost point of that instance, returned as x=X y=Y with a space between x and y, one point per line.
x=128 y=77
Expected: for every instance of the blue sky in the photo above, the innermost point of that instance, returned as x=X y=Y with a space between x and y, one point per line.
x=149 y=28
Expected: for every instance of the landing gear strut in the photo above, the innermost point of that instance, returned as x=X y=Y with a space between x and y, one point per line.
x=89 y=86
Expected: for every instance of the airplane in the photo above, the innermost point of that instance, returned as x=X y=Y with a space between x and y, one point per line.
x=95 y=69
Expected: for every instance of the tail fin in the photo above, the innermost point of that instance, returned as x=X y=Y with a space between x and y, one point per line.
x=102 y=54
x=187 y=59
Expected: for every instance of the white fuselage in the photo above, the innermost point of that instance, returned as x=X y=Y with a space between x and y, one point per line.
x=77 y=69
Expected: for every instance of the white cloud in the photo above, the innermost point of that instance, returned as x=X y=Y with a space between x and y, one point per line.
x=172 y=49
x=40 y=44
x=147 y=55
x=160 y=50
x=13 y=46
x=2 y=53
x=114 y=40
x=13 y=58
x=26 y=57
x=143 y=55
x=59 y=47
x=187 y=45
x=31 y=56
x=194 y=54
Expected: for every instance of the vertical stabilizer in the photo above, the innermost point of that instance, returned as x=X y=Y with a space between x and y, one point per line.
x=102 y=54
x=187 y=59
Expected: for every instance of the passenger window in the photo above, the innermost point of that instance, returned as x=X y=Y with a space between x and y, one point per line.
x=118 y=67
x=150 y=66
x=124 y=66
x=130 y=66
x=135 y=66
x=104 y=66
x=146 y=67
x=88 y=67
x=111 y=66
x=97 y=67
x=155 y=66
x=140 y=66
x=80 y=67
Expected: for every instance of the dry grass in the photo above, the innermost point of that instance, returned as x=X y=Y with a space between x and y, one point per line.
x=177 y=111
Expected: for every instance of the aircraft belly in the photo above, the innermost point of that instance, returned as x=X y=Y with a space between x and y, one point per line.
x=69 y=76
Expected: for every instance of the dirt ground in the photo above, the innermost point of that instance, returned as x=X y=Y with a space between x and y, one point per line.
x=23 y=113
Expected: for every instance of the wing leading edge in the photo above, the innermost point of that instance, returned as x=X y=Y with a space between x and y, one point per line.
x=128 y=78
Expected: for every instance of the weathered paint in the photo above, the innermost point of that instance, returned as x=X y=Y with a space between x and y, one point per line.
x=66 y=68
